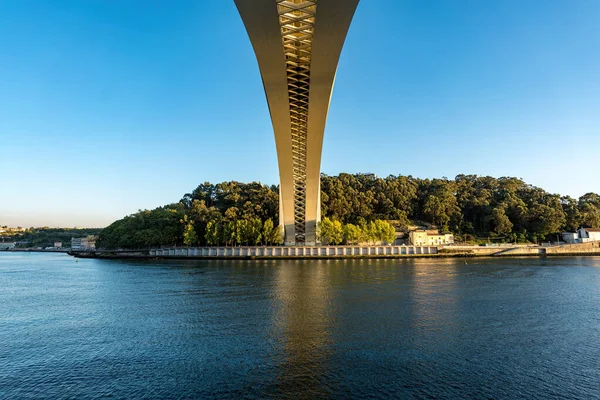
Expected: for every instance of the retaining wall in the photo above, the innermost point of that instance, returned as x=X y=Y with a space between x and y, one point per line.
x=295 y=251
x=580 y=248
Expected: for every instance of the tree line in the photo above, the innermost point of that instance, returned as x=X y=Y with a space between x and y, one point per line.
x=228 y=213
x=469 y=206
x=332 y=231
x=45 y=236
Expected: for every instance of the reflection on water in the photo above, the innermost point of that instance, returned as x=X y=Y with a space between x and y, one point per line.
x=302 y=313
x=416 y=328
x=434 y=296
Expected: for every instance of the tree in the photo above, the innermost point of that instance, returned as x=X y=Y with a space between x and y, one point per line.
x=250 y=230
x=330 y=231
x=271 y=234
x=337 y=236
x=546 y=219
x=573 y=217
x=190 y=237
x=590 y=198
x=235 y=229
x=369 y=232
x=589 y=207
x=590 y=216
x=386 y=232
x=379 y=231
x=325 y=230
x=350 y=205
x=440 y=206
x=352 y=233
x=502 y=224
x=213 y=234
x=231 y=214
x=243 y=232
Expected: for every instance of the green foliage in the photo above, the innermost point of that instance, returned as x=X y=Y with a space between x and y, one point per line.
x=234 y=213
x=440 y=206
x=501 y=222
x=271 y=234
x=190 y=238
x=250 y=230
x=333 y=232
x=330 y=231
x=352 y=233
x=386 y=233
x=45 y=237
x=590 y=212
x=213 y=233
x=255 y=227
x=158 y=227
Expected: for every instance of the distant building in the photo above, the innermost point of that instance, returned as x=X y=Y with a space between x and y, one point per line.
x=429 y=238
x=7 y=245
x=86 y=243
x=58 y=245
x=589 y=234
x=570 y=237
x=582 y=235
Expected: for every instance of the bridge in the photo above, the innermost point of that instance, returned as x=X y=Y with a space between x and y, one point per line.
x=297 y=45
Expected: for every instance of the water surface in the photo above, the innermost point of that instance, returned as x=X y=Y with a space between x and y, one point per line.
x=492 y=328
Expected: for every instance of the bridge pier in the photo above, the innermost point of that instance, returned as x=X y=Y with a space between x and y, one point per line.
x=297 y=45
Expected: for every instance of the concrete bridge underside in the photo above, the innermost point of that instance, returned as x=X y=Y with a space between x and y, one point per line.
x=297 y=44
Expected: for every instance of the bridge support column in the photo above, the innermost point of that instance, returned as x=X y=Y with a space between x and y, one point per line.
x=297 y=44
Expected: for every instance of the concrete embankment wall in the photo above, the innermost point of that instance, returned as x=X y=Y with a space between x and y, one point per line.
x=484 y=251
x=575 y=249
x=520 y=251
x=583 y=249
x=470 y=250
x=117 y=254
x=589 y=248
x=296 y=252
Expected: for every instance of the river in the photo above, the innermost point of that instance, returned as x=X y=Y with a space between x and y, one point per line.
x=445 y=328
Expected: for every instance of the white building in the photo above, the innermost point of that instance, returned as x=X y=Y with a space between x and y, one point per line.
x=429 y=238
x=589 y=234
x=570 y=237
x=87 y=243
x=7 y=245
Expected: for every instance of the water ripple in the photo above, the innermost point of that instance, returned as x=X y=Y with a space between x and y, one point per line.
x=379 y=329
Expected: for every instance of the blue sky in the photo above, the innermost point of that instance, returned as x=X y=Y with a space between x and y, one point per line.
x=110 y=106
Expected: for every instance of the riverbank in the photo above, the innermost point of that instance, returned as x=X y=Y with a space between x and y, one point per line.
x=267 y=252
x=337 y=252
x=26 y=250
x=579 y=249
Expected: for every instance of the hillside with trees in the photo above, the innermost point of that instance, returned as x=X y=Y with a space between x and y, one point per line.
x=354 y=208
x=45 y=236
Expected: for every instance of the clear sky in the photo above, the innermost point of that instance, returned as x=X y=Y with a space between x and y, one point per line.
x=110 y=106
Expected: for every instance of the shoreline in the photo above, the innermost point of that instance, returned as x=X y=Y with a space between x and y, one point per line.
x=35 y=251
x=411 y=256
x=336 y=253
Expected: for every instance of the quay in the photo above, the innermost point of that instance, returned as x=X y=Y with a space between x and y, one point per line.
x=337 y=252
x=296 y=251
x=35 y=250
x=508 y=250
x=264 y=252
